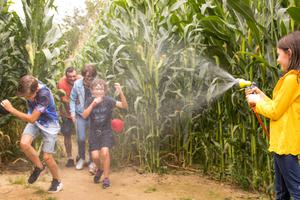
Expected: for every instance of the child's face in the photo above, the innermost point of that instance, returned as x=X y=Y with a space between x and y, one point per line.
x=98 y=91
x=30 y=97
x=283 y=59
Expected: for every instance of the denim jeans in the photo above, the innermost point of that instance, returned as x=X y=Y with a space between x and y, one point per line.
x=81 y=129
x=287 y=177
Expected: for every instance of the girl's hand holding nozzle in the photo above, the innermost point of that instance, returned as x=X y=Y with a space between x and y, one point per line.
x=253 y=90
x=252 y=99
x=253 y=95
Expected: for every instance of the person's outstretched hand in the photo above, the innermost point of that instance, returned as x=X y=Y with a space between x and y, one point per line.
x=7 y=105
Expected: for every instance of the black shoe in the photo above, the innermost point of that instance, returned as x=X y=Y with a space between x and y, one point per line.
x=56 y=186
x=35 y=174
x=70 y=163
x=98 y=176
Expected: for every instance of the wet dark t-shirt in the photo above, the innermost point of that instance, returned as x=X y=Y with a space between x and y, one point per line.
x=101 y=115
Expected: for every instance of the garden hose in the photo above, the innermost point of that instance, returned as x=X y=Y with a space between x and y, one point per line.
x=248 y=85
x=261 y=123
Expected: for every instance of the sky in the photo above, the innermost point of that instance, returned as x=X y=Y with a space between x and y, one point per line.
x=64 y=8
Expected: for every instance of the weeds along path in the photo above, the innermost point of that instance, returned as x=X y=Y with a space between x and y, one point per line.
x=127 y=184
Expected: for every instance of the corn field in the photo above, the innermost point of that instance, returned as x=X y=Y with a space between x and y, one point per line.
x=157 y=50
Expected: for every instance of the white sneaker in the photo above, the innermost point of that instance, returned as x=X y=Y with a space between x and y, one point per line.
x=92 y=168
x=80 y=164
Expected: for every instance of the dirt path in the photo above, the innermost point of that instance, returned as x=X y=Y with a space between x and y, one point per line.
x=126 y=184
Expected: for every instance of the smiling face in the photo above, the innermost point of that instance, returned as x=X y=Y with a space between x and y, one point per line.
x=89 y=73
x=87 y=80
x=71 y=77
x=288 y=49
x=283 y=59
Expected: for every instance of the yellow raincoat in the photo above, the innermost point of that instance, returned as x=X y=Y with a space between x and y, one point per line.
x=284 y=113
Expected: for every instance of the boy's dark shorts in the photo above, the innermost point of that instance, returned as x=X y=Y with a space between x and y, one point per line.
x=99 y=140
x=66 y=126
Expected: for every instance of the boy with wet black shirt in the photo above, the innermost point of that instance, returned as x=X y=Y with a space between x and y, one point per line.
x=99 y=111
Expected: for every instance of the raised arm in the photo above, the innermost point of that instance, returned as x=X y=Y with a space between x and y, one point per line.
x=123 y=103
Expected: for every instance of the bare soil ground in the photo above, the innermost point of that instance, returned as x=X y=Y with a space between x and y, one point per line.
x=126 y=184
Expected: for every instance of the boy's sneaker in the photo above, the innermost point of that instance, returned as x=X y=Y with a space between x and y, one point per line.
x=80 y=164
x=92 y=168
x=56 y=186
x=105 y=183
x=98 y=175
x=35 y=174
x=70 y=163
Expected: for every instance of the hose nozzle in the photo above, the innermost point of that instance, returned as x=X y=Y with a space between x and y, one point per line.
x=243 y=83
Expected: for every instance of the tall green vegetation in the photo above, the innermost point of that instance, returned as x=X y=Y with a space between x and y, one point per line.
x=13 y=63
x=42 y=41
x=159 y=51
x=76 y=28
x=156 y=50
x=30 y=45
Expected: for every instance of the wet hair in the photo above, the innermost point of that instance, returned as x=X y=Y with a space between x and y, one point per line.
x=69 y=70
x=100 y=82
x=291 y=41
x=27 y=85
x=89 y=69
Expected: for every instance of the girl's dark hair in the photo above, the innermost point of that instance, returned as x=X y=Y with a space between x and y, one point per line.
x=69 y=70
x=89 y=69
x=27 y=85
x=291 y=41
x=100 y=82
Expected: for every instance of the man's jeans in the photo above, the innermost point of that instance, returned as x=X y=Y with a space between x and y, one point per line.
x=81 y=127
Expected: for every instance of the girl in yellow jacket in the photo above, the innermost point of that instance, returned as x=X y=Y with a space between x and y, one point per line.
x=284 y=113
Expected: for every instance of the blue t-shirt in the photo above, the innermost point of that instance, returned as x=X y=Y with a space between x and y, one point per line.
x=44 y=103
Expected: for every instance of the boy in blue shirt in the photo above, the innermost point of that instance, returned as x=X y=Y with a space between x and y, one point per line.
x=42 y=120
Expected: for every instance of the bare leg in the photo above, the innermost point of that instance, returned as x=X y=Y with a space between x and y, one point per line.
x=105 y=160
x=50 y=162
x=96 y=158
x=29 y=151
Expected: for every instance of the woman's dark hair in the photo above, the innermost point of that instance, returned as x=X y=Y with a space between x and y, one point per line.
x=69 y=70
x=291 y=41
x=89 y=69
x=27 y=85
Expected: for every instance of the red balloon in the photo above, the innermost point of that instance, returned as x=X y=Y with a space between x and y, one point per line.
x=117 y=125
